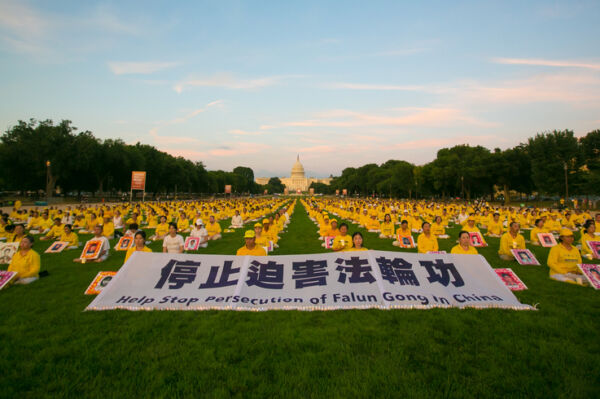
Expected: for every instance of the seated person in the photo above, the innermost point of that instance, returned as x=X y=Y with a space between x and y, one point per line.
x=139 y=245
x=68 y=235
x=464 y=246
x=342 y=242
x=131 y=230
x=200 y=232
x=511 y=240
x=55 y=231
x=563 y=259
x=26 y=262
x=437 y=228
x=250 y=247
x=173 y=243
x=387 y=227
x=403 y=231
x=108 y=228
x=237 y=221
x=162 y=229
x=18 y=234
x=104 y=249
x=183 y=224
x=213 y=229
x=357 y=242
x=539 y=228
x=427 y=241
x=588 y=234
x=495 y=228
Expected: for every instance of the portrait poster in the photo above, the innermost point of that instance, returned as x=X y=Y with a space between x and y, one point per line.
x=328 y=242
x=591 y=273
x=124 y=243
x=100 y=281
x=595 y=247
x=7 y=250
x=476 y=239
x=547 y=240
x=6 y=278
x=91 y=250
x=510 y=279
x=525 y=257
x=191 y=243
x=57 y=247
x=406 y=242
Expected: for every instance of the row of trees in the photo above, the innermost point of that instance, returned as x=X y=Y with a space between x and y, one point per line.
x=33 y=152
x=547 y=164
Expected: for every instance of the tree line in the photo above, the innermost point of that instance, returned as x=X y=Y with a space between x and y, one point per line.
x=547 y=164
x=37 y=155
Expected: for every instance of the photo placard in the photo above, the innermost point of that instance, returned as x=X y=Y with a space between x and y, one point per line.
x=100 y=281
x=510 y=279
x=57 y=247
x=591 y=273
x=547 y=240
x=525 y=257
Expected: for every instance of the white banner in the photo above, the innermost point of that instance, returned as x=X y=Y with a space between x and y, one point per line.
x=344 y=280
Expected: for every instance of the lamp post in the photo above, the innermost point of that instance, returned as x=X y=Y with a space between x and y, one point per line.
x=47 y=181
x=566 y=185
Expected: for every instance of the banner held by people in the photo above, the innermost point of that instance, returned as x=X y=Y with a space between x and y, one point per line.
x=344 y=280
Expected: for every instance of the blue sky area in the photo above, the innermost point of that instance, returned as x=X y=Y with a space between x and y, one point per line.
x=342 y=83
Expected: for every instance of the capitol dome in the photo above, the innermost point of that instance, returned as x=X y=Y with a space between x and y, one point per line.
x=298 y=169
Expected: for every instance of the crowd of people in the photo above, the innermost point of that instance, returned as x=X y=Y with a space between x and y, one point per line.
x=399 y=220
x=392 y=220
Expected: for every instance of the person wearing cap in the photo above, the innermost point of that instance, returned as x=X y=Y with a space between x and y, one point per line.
x=199 y=231
x=236 y=220
x=251 y=248
x=342 y=242
x=259 y=238
x=511 y=240
x=563 y=259
x=213 y=229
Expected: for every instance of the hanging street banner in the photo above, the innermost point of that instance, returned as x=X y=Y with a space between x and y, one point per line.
x=343 y=280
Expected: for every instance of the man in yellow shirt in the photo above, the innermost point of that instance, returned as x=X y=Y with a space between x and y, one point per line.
x=68 y=235
x=213 y=229
x=427 y=241
x=26 y=262
x=342 y=242
x=55 y=231
x=250 y=248
x=511 y=240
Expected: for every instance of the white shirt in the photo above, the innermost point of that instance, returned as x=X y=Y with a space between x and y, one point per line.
x=105 y=246
x=201 y=233
x=237 y=221
x=118 y=222
x=173 y=244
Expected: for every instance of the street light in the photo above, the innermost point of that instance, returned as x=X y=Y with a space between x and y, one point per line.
x=47 y=181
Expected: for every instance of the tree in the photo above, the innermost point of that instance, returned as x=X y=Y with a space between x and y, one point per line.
x=275 y=186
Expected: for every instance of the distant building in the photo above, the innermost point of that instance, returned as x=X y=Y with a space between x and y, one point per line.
x=297 y=180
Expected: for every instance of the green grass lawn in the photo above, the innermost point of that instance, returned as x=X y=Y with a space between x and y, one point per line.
x=50 y=347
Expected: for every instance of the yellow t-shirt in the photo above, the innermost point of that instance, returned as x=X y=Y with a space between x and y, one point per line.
x=162 y=229
x=27 y=265
x=562 y=261
x=438 y=229
x=585 y=248
x=356 y=249
x=131 y=250
x=426 y=244
x=533 y=235
x=214 y=228
x=71 y=238
x=108 y=229
x=257 y=251
x=55 y=231
x=508 y=242
x=457 y=249
x=387 y=228
x=342 y=243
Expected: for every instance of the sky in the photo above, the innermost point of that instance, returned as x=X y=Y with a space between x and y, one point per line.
x=341 y=83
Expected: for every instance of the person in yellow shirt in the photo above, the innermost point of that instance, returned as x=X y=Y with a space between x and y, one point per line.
x=537 y=229
x=553 y=225
x=342 y=242
x=18 y=234
x=511 y=240
x=213 y=228
x=269 y=232
x=387 y=227
x=372 y=224
x=403 y=231
x=108 y=228
x=437 y=228
x=324 y=227
x=588 y=234
x=183 y=224
x=427 y=241
x=471 y=228
x=55 y=231
x=250 y=248
x=563 y=259
x=162 y=229
x=464 y=246
x=79 y=222
x=495 y=228
x=26 y=262
x=357 y=242
x=333 y=229
x=140 y=245
x=68 y=235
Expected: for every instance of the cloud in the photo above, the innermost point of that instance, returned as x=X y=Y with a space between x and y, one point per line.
x=240 y=132
x=142 y=68
x=409 y=117
x=226 y=150
x=228 y=81
x=549 y=63
x=364 y=86
x=445 y=142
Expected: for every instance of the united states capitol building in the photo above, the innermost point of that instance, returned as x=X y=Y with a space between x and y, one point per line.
x=297 y=180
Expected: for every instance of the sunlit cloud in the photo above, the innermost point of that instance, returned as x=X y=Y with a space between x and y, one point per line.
x=548 y=63
x=366 y=86
x=229 y=81
x=141 y=68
